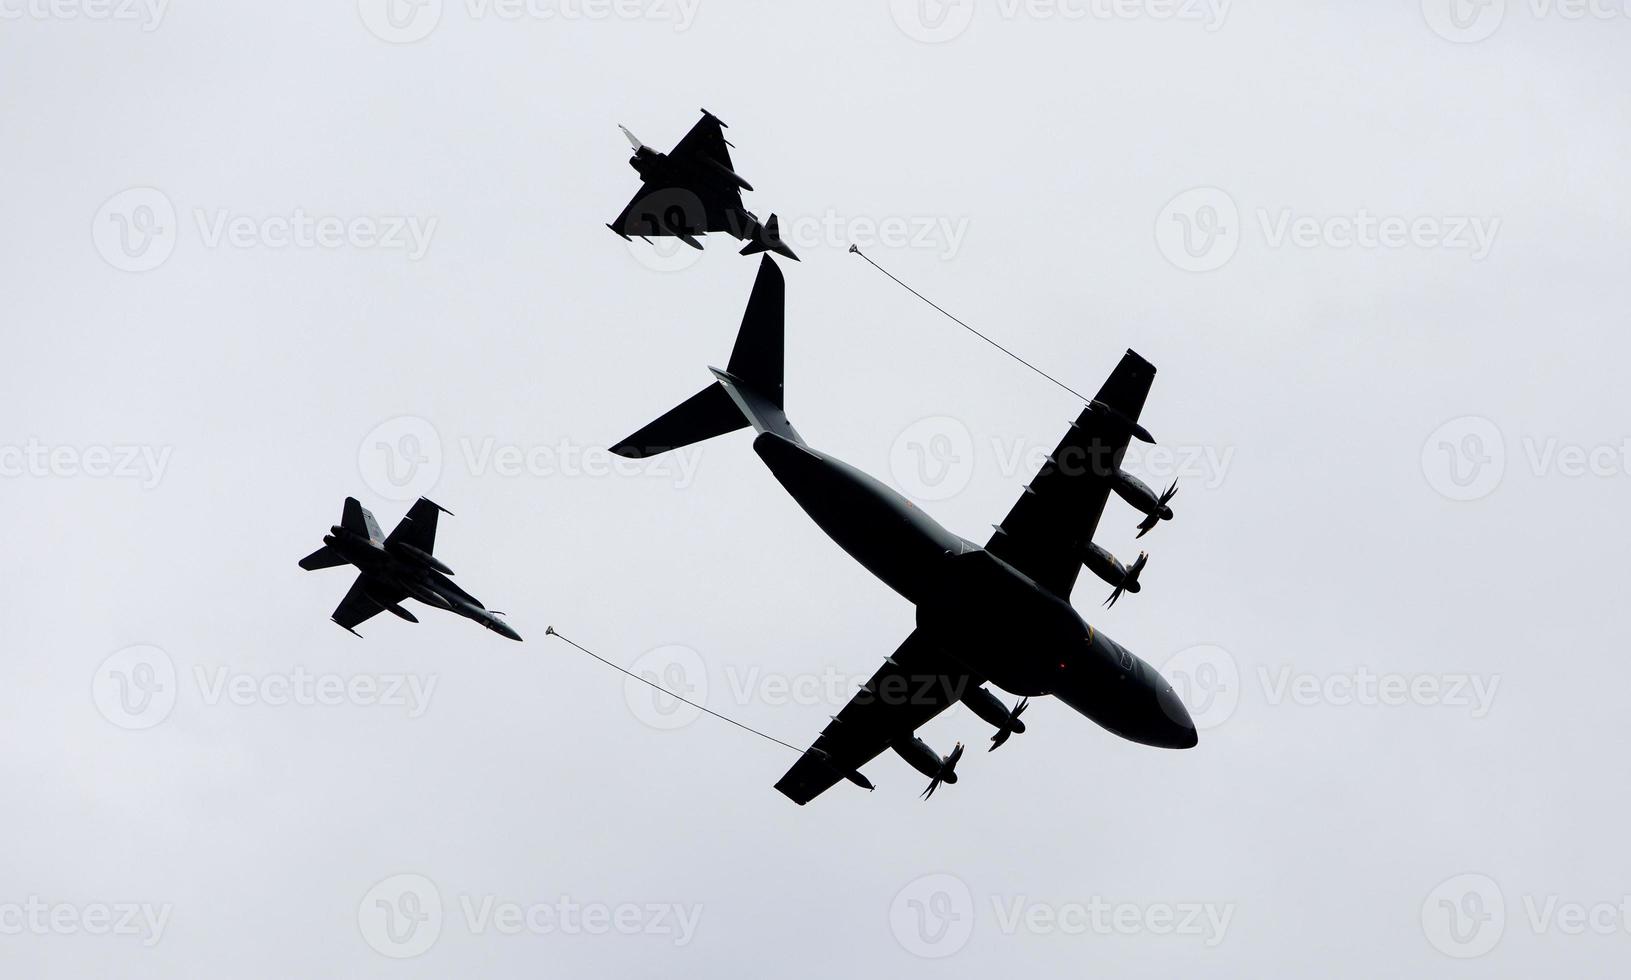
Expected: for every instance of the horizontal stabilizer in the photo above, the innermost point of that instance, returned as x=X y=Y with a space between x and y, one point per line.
x=708 y=413
x=324 y=557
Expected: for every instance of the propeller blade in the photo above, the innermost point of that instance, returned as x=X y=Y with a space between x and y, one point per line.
x=634 y=140
x=1110 y=602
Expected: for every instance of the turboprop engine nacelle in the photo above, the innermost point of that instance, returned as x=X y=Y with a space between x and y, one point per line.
x=985 y=705
x=926 y=761
x=1138 y=493
x=1109 y=568
x=422 y=556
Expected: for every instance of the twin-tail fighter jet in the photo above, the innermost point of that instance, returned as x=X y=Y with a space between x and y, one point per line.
x=998 y=615
x=693 y=190
x=395 y=567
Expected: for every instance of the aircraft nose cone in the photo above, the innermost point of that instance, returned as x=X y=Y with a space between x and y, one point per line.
x=1180 y=732
x=503 y=629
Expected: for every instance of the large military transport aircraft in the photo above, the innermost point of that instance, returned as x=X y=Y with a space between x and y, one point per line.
x=395 y=567
x=998 y=614
x=692 y=191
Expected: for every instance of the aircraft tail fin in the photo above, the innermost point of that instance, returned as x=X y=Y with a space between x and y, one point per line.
x=324 y=557
x=748 y=392
x=357 y=518
x=768 y=238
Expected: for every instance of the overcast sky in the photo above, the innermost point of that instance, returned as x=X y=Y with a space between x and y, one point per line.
x=259 y=257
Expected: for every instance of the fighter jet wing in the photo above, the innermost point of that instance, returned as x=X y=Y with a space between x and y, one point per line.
x=418 y=528
x=911 y=687
x=657 y=211
x=358 y=606
x=1047 y=532
x=705 y=141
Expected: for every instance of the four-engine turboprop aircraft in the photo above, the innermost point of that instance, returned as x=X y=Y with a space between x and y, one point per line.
x=395 y=567
x=998 y=614
x=692 y=191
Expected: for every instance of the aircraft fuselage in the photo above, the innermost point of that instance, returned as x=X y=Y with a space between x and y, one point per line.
x=986 y=614
x=408 y=574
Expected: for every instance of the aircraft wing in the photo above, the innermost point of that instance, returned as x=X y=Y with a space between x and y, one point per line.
x=418 y=528
x=1047 y=532
x=358 y=606
x=657 y=211
x=915 y=684
x=705 y=141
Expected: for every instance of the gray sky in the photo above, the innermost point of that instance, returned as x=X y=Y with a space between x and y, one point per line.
x=262 y=256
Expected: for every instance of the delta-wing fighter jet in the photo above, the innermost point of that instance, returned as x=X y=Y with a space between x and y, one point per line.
x=395 y=567
x=997 y=615
x=693 y=190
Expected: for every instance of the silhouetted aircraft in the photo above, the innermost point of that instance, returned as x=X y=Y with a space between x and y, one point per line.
x=1000 y=614
x=692 y=191
x=394 y=568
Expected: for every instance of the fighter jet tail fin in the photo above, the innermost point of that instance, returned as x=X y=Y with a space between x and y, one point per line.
x=357 y=518
x=748 y=392
x=324 y=557
x=768 y=238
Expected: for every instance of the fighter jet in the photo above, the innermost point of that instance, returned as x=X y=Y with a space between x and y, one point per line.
x=692 y=191
x=395 y=567
x=997 y=615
